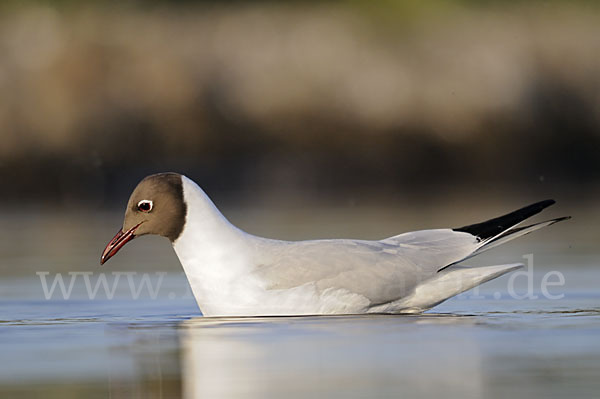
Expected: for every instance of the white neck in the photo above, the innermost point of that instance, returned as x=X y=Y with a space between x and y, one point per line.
x=203 y=217
x=211 y=250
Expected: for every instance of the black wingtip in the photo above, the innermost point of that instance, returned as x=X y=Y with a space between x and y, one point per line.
x=493 y=227
x=544 y=204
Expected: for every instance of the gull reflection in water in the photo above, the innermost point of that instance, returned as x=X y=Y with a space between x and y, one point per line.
x=339 y=356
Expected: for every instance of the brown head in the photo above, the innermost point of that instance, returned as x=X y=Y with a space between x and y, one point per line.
x=156 y=206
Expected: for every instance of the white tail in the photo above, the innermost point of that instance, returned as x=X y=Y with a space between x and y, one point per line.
x=449 y=283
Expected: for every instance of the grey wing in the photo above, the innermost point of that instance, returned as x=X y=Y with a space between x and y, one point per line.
x=381 y=271
x=368 y=268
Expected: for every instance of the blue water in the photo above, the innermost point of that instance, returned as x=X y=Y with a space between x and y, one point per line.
x=471 y=346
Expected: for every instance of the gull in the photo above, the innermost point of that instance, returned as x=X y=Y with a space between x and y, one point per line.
x=233 y=273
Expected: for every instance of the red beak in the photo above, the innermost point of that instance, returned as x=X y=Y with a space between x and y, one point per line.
x=117 y=243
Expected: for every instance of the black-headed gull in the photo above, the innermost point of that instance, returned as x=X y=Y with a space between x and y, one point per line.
x=233 y=273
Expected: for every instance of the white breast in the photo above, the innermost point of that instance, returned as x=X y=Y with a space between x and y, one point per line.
x=214 y=253
x=220 y=261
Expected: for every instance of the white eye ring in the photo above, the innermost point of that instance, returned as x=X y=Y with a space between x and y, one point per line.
x=145 y=206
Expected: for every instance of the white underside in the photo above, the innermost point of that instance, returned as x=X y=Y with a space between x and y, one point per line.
x=232 y=273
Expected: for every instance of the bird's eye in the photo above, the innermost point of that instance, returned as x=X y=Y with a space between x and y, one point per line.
x=144 y=206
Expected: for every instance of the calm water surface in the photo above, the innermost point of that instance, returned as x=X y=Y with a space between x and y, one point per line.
x=480 y=344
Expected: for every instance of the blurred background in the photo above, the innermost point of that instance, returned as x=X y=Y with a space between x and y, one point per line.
x=300 y=119
x=339 y=101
